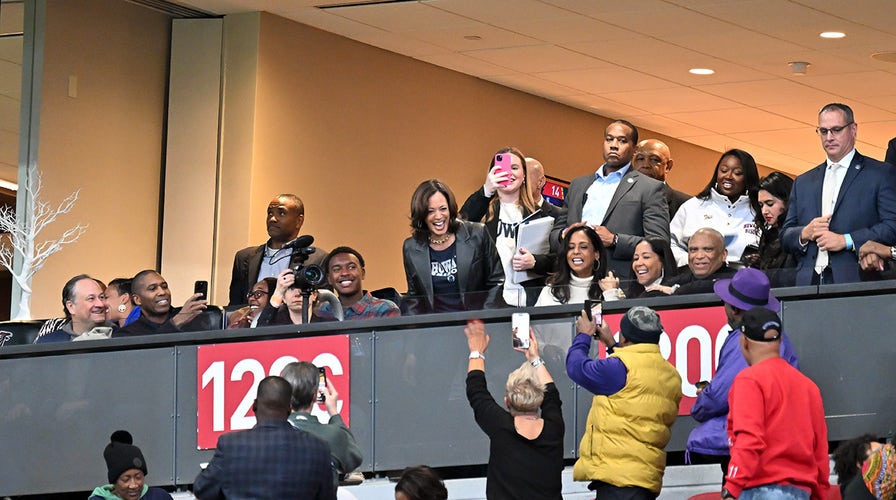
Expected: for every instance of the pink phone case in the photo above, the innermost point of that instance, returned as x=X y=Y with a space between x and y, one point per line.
x=503 y=160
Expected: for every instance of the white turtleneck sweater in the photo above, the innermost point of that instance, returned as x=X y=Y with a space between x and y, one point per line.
x=578 y=292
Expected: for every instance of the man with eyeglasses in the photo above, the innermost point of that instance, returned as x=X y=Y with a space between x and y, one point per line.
x=284 y=219
x=839 y=205
x=654 y=159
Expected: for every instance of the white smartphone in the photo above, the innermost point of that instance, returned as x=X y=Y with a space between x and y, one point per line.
x=520 y=324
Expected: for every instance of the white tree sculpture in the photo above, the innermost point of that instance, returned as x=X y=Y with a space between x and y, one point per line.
x=22 y=238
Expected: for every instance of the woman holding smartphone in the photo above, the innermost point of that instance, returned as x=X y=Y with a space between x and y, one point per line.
x=579 y=271
x=449 y=264
x=525 y=446
x=502 y=204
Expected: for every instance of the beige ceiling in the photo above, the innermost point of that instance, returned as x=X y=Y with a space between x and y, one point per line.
x=630 y=59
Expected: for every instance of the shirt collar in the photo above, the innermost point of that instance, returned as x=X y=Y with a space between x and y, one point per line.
x=846 y=161
x=619 y=173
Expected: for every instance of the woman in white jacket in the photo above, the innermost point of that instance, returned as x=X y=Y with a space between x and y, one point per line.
x=724 y=205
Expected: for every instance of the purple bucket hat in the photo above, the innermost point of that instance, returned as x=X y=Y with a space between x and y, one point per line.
x=747 y=289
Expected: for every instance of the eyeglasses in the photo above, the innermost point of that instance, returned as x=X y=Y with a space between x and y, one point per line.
x=833 y=130
x=257 y=294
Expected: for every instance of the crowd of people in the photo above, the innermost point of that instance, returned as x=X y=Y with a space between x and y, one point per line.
x=624 y=233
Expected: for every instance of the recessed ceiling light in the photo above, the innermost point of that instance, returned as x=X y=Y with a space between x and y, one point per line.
x=472 y=37
x=832 y=34
x=701 y=71
x=889 y=56
x=798 y=68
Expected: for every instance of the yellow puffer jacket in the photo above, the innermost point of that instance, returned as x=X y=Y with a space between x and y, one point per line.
x=627 y=432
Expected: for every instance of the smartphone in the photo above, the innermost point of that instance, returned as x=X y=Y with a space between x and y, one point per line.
x=594 y=310
x=520 y=324
x=321 y=384
x=503 y=161
x=201 y=287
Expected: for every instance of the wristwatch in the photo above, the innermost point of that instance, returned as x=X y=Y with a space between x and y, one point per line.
x=477 y=355
x=727 y=494
x=893 y=252
x=615 y=240
x=536 y=362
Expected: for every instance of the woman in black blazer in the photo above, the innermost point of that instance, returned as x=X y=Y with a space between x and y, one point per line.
x=450 y=265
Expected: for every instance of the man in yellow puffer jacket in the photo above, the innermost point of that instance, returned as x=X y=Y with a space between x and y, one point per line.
x=635 y=404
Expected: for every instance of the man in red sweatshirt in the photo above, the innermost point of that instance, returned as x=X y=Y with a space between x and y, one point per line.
x=779 y=444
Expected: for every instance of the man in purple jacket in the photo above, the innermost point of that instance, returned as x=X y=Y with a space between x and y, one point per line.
x=708 y=442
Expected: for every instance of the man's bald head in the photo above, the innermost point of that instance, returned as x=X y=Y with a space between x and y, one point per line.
x=706 y=252
x=535 y=174
x=272 y=399
x=653 y=159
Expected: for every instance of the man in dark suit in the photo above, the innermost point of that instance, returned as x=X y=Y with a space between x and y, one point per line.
x=891 y=152
x=839 y=205
x=653 y=158
x=273 y=460
x=621 y=204
x=285 y=216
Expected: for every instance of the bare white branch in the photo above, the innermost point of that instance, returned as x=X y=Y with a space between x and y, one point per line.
x=23 y=232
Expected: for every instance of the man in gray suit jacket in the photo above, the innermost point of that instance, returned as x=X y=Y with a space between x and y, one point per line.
x=621 y=204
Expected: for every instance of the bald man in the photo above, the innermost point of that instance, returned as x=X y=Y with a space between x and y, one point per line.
x=653 y=158
x=272 y=459
x=537 y=180
x=707 y=262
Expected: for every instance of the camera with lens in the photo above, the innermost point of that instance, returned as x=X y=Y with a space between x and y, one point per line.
x=309 y=277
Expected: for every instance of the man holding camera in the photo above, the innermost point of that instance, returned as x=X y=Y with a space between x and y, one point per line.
x=285 y=216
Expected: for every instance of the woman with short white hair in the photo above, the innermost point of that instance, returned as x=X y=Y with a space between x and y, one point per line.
x=525 y=447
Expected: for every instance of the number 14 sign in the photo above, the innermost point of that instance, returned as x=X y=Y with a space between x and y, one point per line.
x=228 y=377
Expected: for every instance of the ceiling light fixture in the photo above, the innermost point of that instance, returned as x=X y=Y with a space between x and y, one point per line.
x=798 y=68
x=832 y=34
x=701 y=71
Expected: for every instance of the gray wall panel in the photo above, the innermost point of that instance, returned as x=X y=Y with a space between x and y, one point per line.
x=847 y=346
x=59 y=411
x=58 y=408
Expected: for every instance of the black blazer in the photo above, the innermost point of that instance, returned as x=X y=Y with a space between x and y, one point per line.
x=478 y=270
x=247 y=263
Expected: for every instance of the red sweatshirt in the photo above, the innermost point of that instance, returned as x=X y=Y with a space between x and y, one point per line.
x=777 y=431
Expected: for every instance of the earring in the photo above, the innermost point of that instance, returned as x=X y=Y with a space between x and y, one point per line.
x=122 y=308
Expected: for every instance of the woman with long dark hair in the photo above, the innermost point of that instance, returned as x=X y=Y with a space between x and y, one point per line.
x=449 y=264
x=652 y=266
x=773 y=197
x=578 y=270
x=504 y=203
x=723 y=205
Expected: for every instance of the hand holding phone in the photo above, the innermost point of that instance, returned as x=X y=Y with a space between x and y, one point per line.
x=321 y=385
x=520 y=324
x=594 y=311
x=503 y=162
x=201 y=286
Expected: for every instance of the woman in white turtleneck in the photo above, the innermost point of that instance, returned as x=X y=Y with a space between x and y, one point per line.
x=578 y=271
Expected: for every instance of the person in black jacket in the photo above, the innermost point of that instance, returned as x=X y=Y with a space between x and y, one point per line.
x=503 y=203
x=449 y=264
x=525 y=444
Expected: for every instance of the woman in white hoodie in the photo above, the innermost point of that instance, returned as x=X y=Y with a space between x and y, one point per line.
x=724 y=205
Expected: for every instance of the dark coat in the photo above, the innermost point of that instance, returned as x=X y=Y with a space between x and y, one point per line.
x=478 y=270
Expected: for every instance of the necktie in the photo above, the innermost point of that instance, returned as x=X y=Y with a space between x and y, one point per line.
x=828 y=199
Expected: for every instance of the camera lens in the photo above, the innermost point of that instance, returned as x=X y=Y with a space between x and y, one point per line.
x=313 y=274
x=499 y=158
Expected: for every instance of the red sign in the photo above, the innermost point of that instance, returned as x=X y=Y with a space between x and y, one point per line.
x=228 y=377
x=691 y=342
